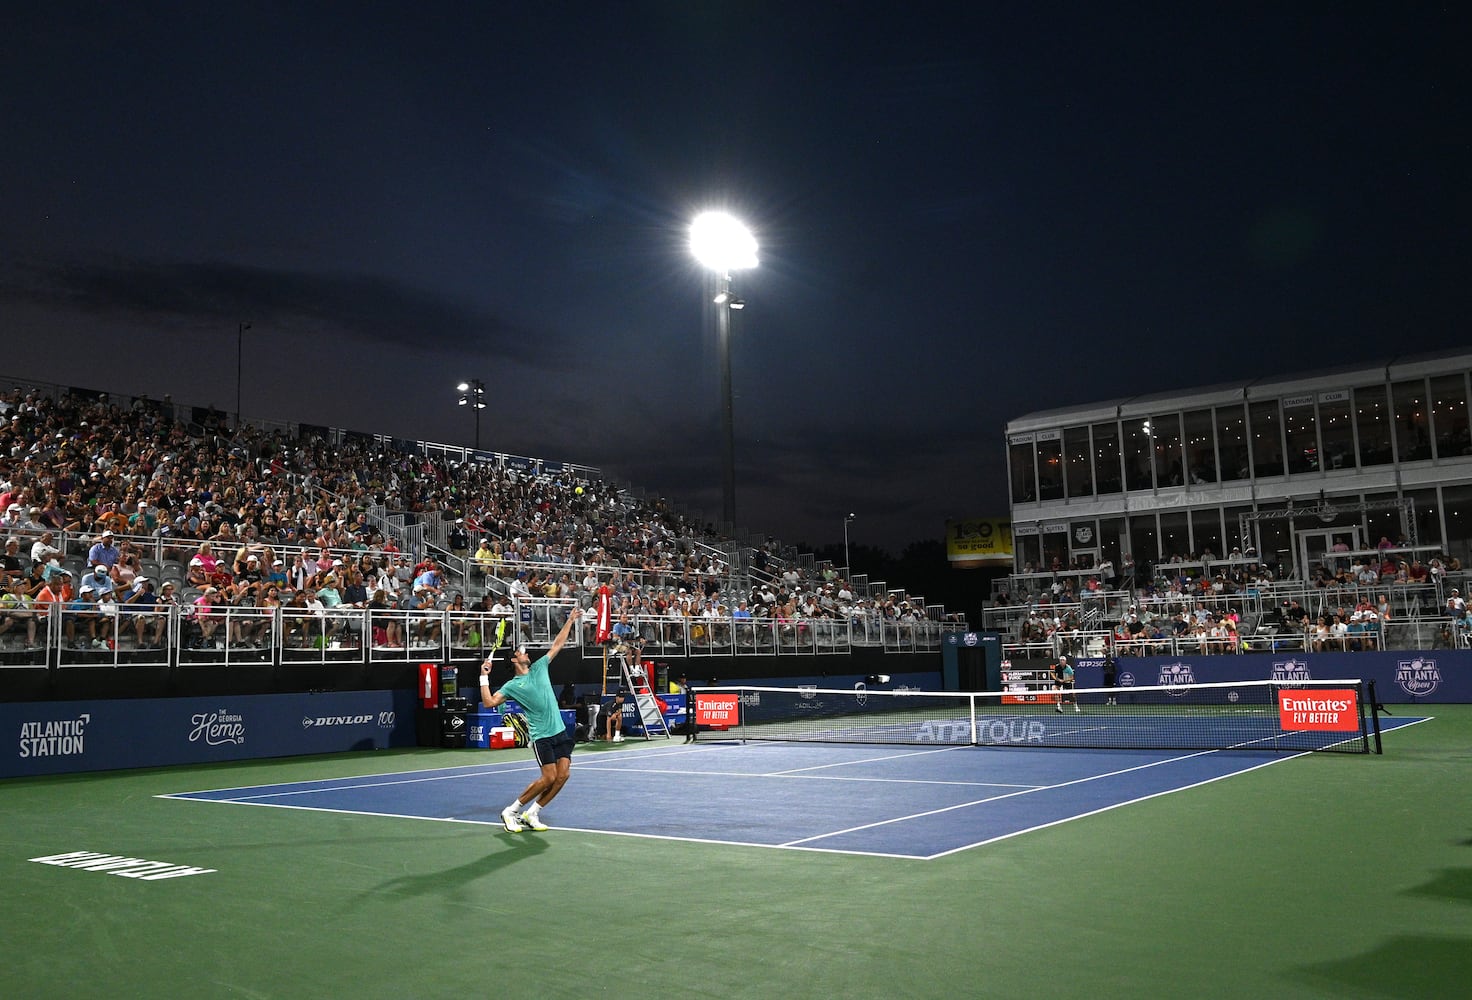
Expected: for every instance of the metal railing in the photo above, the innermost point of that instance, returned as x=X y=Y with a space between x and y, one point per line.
x=85 y=634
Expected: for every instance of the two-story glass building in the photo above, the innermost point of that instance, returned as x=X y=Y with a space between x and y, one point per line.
x=1289 y=466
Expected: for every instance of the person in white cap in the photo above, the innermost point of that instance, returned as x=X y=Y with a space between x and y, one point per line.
x=103 y=552
x=140 y=608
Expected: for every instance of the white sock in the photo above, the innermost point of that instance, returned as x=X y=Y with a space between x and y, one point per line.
x=532 y=810
x=514 y=806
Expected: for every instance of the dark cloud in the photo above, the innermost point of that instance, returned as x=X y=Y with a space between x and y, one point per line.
x=303 y=303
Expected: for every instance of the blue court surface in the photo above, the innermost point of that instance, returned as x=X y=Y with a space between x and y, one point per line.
x=899 y=802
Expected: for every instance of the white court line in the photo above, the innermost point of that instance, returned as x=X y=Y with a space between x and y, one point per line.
x=1143 y=798
x=797 y=845
x=350 y=782
x=869 y=760
x=567 y=829
x=1114 y=805
x=800 y=777
x=998 y=798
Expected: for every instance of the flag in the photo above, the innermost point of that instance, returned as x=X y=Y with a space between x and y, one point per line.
x=605 y=623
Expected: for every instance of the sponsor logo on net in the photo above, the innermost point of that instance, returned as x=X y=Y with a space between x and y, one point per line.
x=1291 y=670
x=1418 y=677
x=861 y=694
x=1175 y=676
x=218 y=728
x=1125 y=679
x=320 y=721
x=54 y=737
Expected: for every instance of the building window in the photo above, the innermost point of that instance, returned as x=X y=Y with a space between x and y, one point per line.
x=1076 y=464
x=1200 y=447
x=1231 y=435
x=1050 y=465
x=1142 y=545
x=1449 y=416
x=1165 y=429
x=1267 y=448
x=1206 y=533
x=1302 y=434
x=1456 y=506
x=1024 y=475
x=1372 y=422
x=1137 y=454
x=1175 y=536
x=1106 y=458
x=1412 y=430
x=1336 y=431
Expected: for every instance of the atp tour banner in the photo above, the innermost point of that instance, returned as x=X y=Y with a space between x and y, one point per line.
x=1429 y=675
x=63 y=736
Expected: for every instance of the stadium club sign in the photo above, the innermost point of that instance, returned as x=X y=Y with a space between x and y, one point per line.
x=1418 y=677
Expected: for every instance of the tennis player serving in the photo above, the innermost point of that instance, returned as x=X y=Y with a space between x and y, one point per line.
x=551 y=742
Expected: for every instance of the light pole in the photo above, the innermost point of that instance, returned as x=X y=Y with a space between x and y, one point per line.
x=848 y=567
x=724 y=245
x=239 y=365
x=472 y=394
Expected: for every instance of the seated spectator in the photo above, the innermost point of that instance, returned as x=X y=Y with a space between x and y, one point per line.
x=613 y=719
x=44 y=549
x=103 y=552
x=17 y=610
x=139 y=610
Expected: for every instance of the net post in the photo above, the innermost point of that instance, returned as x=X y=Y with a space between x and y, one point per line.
x=1375 y=715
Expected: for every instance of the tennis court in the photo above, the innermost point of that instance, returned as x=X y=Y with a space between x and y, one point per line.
x=759 y=870
x=880 y=800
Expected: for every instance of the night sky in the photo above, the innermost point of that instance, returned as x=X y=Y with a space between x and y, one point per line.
x=966 y=212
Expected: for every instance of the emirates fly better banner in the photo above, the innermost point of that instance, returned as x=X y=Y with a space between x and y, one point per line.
x=1329 y=709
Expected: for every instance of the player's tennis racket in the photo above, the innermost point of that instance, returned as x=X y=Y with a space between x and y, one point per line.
x=500 y=638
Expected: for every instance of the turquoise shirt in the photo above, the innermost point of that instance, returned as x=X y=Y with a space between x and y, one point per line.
x=533 y=692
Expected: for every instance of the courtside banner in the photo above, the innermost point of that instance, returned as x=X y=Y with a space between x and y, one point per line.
x=1330 y=709
x=717 y=709
x=62 y=736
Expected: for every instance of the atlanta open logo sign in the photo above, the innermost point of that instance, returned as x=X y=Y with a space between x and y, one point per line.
x=1418 y=677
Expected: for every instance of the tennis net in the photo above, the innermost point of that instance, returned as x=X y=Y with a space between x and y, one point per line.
x=1333 y=715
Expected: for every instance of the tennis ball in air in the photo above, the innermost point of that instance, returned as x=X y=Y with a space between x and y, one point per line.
x=579 y=491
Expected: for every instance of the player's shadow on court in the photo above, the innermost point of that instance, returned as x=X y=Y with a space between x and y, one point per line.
x=452 y=881
x=1451 y=884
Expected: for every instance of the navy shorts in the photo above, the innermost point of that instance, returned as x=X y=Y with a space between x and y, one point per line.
x=553 y=748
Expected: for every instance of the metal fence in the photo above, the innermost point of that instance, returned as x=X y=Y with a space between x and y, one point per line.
x=84 y=634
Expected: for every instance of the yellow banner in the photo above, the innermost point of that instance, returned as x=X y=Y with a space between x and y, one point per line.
x=979 y=540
